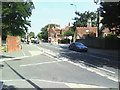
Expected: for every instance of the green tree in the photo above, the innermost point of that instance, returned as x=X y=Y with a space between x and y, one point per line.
x=111 y=16
x=82 y=19
x=32 y=34
x=39 y=36
x=15 y=17
x=70 y=32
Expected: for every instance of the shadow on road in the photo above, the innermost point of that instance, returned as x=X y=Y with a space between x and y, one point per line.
x=6 y=57
x=92 y=59
x=11 y=87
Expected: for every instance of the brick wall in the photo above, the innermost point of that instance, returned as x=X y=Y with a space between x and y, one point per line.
x=13 y=43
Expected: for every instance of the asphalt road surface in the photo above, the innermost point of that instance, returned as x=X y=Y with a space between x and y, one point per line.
x=55 y=67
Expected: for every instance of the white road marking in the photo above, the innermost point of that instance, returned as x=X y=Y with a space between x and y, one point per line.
x=71 y=85
x=33 y=53
x=114 y=79
x=39 y=63
x=99 y=67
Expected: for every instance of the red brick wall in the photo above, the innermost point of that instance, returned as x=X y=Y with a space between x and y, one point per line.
x=13 y=43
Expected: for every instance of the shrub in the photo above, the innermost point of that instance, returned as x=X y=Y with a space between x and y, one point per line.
x=65 y=41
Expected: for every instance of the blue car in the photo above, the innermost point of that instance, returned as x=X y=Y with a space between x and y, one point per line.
x=76 y=46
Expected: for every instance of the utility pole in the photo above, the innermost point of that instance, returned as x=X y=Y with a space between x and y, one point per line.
x=75 y=33
x=98 y=18
x=0 y=26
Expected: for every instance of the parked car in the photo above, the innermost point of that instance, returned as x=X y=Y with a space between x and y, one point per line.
x=76 y=46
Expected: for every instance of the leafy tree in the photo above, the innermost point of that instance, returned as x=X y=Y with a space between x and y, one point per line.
x=39 y=36
x=82 y=19
x=70 y=32
x=111 y=15
x=14 y=17
x=32 y=34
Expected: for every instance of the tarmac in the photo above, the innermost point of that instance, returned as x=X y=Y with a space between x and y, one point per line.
x=30 y=50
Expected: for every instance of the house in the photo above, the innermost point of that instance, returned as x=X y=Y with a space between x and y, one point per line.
x=105 y=32
x=82 y=32
x=54 y=34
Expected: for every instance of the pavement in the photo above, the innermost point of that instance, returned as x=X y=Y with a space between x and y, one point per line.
x=27 y=50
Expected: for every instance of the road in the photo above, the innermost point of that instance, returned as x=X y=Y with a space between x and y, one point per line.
x=106 y=62
x=53 y=67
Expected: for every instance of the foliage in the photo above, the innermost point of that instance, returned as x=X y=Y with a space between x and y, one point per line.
x=82 y=19
x=111 y=36
x=32 y=34
x=14 y=17
x=39 y=36
x=111 y=15
x=64 y=41
x=68 y=33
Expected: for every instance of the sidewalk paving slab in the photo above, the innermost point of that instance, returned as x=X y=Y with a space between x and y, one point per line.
x=26 y=51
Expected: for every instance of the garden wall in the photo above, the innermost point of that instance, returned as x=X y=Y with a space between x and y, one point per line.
x=13 y=43
x=101 y=43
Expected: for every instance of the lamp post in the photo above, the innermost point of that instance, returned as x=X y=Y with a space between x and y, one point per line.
x=75 y=34
x=75 y=7
x=98 y=18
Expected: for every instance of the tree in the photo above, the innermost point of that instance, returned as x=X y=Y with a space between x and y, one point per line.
x=32 y=34
x=14 y=17
x=44 y=33
x=82 y=19
x=111 y=15
x=70 y=32
x=39 y=36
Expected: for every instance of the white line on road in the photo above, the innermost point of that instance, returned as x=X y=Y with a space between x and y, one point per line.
x=71 y=85
x=109 y=77
x=40 y=63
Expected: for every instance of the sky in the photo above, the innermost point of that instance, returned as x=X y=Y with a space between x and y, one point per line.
x=57 y=12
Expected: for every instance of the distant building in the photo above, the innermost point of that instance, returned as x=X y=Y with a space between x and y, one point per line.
x=54 y=34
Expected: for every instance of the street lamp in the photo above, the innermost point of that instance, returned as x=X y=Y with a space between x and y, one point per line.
x=75 y=6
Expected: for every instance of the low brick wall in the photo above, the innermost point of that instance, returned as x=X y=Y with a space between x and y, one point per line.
x=13 y=43
x=101 y=43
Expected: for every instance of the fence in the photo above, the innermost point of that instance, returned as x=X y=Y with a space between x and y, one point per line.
x=101 y=43
x=13 y=43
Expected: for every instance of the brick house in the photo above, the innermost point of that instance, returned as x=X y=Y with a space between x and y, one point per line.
x=54 y=34
x=82 y=32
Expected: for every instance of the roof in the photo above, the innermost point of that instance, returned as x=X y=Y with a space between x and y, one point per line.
x=81 y=31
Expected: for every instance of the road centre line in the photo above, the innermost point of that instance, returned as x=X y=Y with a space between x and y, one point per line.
x=39 y=63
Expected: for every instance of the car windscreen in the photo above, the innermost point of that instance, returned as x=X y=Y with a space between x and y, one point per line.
x=79 y=44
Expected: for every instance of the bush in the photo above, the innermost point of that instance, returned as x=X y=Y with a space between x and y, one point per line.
x=111 y=36
x=64 y=41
